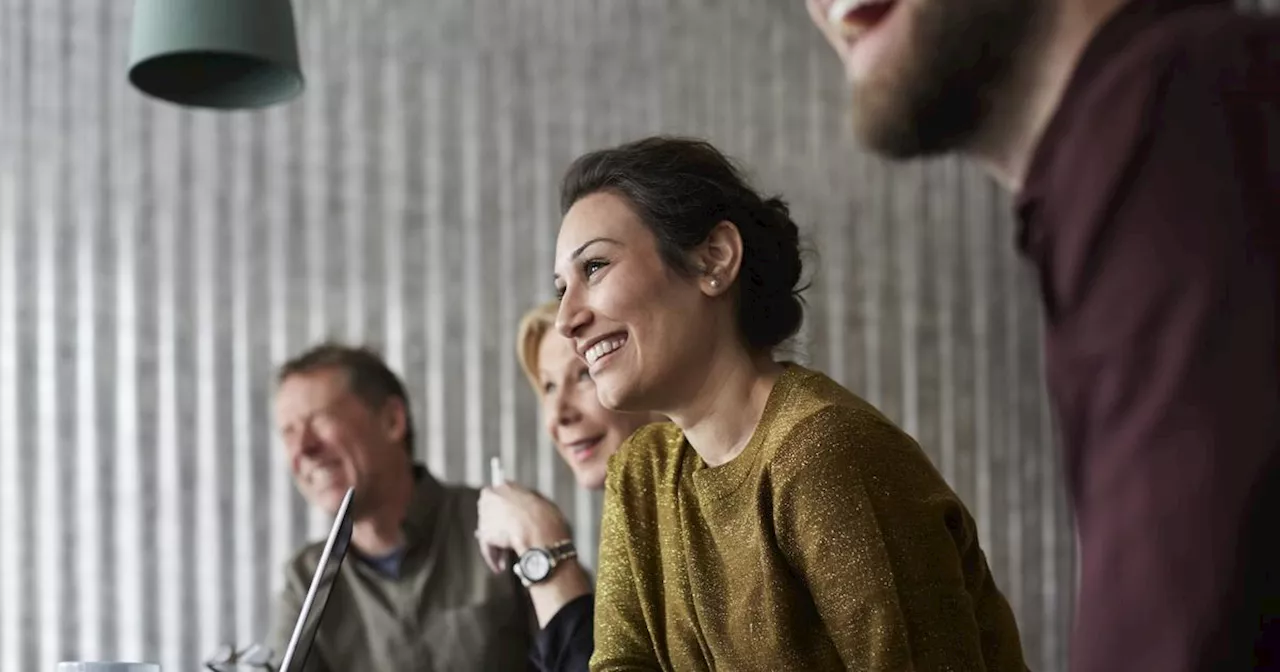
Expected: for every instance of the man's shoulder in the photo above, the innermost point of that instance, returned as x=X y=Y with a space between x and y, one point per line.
x=1215 y=32
x=1215 y=47
x=1219 y=46
x=1149 y=76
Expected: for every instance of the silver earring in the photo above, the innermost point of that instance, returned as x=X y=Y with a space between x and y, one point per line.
x=715 y=282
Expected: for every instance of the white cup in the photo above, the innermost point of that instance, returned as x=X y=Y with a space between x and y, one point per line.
x=107 y=667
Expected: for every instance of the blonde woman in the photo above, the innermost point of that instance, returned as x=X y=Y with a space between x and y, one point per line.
x=513 y=518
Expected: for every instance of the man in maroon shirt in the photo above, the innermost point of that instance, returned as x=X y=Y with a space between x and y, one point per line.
x=1142 y=139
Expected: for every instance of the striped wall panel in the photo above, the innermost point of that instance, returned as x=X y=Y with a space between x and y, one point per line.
x=156 y=264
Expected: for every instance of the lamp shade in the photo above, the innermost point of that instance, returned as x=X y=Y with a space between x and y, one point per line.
x=225 y=54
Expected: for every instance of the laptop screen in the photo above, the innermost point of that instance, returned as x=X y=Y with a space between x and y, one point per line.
x=335 y=549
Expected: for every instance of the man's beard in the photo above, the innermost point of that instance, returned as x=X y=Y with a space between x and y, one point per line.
x=938 y=97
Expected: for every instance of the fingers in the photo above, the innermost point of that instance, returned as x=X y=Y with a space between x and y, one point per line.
x=493 y=528
x=492 y=508
x=516 y=495
x=493 y=548
x=484 y=552
x=508 y=489
x=491 y=558
x=514 y=518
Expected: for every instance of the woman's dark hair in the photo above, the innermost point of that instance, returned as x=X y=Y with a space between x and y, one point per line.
x=681 y=188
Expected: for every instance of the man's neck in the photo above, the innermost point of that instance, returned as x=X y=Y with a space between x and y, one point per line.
x=378 y=531
x=1024 y=107
x=722 y=415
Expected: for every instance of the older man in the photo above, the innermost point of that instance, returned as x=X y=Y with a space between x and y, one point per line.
x=413 y=594
x=1142 y=139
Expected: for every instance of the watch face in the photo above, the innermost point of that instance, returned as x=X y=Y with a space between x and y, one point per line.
x=535 y=564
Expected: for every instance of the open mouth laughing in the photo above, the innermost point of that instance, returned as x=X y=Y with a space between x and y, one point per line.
x=321 y=476
x=603 y=349
x=855 y=18
x=871 y=30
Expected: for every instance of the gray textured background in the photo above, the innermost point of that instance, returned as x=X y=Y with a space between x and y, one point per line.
x=156 y=263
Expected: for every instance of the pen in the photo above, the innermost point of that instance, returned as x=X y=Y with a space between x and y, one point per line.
x=496 y=477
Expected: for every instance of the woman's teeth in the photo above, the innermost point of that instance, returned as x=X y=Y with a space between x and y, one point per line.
x=582 y=446
x=608 y=345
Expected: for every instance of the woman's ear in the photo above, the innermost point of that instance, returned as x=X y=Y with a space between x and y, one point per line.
x=720 y=258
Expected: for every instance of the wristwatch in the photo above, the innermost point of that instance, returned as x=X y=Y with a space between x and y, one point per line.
x=536 y=564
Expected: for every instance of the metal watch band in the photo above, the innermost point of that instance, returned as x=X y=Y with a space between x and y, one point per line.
x=554 y=554
x=562 y=550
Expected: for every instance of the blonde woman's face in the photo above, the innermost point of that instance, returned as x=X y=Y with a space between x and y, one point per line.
x=584 y=432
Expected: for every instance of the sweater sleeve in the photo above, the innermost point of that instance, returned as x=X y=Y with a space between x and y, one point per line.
x=622 y=638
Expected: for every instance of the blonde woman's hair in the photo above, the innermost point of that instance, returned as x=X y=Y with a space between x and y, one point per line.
x=533 y=327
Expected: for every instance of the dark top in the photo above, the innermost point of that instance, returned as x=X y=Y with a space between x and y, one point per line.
x=442 y=610
x=1151 y=211
x=565 y=645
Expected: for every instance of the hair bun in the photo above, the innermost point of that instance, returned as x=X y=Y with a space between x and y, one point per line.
x=771 y=310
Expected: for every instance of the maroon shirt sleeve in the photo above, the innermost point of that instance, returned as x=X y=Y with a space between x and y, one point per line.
x=1153 y=219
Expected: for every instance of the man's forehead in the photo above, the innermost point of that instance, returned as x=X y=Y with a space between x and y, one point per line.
x=311 y=389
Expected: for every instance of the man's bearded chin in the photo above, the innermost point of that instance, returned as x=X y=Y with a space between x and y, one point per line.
x=941 y=94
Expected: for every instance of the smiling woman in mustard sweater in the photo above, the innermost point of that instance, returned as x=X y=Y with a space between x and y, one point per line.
x=778 y=522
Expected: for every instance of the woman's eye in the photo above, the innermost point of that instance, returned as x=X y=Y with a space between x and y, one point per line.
x=547 y=388
x=590 y=266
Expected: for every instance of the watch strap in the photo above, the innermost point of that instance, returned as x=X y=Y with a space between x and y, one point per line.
x=557 y=552
x=562 y=550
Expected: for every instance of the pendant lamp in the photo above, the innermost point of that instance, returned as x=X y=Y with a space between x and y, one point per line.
x=221 y=54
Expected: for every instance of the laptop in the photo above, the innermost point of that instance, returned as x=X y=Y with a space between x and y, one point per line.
x=308 y=624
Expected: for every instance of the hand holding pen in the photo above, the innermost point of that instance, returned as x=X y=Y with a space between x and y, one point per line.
x=514 y=519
